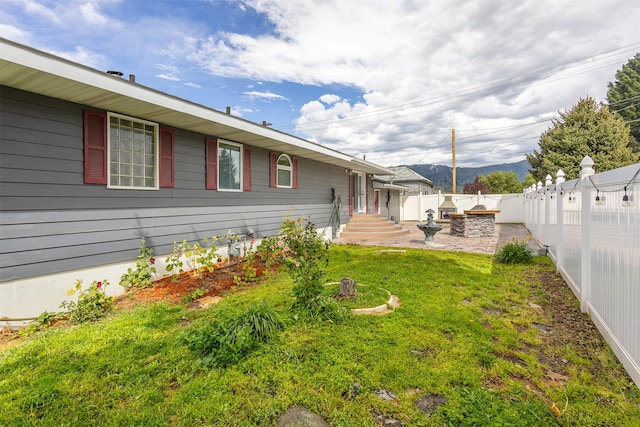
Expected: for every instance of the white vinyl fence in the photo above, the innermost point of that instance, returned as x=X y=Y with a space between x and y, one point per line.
x=591 y=227
x=511 y=206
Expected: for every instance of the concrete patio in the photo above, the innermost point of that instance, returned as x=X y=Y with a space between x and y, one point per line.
x=443 y=240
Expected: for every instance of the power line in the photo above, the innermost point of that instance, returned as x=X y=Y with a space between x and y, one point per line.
x=430 y=102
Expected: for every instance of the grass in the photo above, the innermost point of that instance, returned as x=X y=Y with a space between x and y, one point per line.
x=464 y=330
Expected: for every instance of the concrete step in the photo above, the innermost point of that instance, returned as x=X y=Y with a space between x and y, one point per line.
x=367 y=219
x=368 y=226
x=372 y=234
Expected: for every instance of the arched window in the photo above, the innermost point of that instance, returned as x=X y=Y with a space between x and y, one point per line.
x=285 y=171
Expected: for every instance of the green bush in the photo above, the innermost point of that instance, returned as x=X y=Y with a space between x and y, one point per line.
x=515 y=252
x=231 y=336
x=302 y=253
x=92 y=302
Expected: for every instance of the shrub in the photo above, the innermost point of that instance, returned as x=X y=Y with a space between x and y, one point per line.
x=230 y=336
x=301 y=252
x=141 y=276
x=92 y=302
x=515 y=252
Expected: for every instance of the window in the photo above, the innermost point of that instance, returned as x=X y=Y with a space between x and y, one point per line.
x=228 y=166
x=133 y=158
x=127 y=153
x=283 y=171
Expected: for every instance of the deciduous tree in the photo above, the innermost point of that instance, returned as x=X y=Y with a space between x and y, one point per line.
x=474 y=187
x=502 y=182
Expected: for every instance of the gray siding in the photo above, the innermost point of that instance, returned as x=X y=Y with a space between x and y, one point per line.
x=50 y=221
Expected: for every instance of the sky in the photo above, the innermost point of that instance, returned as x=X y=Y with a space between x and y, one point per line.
x=383 y=79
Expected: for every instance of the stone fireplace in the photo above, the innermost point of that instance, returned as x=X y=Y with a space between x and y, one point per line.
x=476 y=222
x=446 y=208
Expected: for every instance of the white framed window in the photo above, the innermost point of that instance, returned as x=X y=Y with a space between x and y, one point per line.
x=132 y=153
x=284 y=171
x=229 y=166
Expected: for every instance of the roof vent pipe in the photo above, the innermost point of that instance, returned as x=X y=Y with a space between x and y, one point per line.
x=132 y=78
x=228 y=111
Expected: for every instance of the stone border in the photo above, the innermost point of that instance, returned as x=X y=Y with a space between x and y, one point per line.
x=393 y=302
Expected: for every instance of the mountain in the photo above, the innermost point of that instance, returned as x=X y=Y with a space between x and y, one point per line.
x=441 y=176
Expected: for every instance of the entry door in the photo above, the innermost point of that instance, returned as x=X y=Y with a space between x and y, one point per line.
x=376 y=202
x=359 y=193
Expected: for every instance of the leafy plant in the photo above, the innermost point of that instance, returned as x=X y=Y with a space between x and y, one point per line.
x=249 y=270
x=194 y=295
x=230 y=336
x=92 y=302
x=174 y=260
x=301 y=252
x=515 y=252
x=46 y=318
x=140 y=277
x=207 y=255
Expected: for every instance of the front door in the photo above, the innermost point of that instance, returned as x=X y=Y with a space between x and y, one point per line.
x=359 y=193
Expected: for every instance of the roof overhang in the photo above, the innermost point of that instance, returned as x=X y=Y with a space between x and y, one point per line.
x=31 y=70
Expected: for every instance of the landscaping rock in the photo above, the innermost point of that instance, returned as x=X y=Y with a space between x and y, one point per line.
x=429 y=403
x=299 y=416
x=380 y=420
x=386 y=395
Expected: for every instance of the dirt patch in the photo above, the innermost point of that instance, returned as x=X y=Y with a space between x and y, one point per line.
x=569 y=327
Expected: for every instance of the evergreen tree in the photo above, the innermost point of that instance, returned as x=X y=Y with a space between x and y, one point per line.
x=623 y=96
x=588 y=129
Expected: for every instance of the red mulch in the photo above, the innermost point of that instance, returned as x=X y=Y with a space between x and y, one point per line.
x=172 y=290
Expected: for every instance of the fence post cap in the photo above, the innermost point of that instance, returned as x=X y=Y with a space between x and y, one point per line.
x=586 y=162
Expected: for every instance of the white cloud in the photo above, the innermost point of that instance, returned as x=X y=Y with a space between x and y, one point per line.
x=264 y=95
x=494 y=70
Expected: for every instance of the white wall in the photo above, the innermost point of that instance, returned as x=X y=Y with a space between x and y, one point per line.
x=511 y=206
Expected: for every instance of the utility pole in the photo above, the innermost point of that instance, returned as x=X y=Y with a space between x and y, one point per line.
x=453 y=162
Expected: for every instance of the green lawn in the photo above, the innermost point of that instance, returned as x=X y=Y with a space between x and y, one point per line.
x=465 y=330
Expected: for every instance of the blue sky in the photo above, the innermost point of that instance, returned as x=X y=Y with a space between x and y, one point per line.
x=377 y=78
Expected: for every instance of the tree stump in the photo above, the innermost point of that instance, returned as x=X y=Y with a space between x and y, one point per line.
x=347 y=287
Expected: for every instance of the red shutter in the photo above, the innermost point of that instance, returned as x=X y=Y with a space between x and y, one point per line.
x=273 y=169
x=95 y=147
x=246 y=169
x=366 y=193
x=211 y=154
x=166 y=158
x=294 y=178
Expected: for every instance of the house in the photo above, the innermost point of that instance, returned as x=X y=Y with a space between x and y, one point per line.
x=407 y=177
x=91 y=162
x=395 y=189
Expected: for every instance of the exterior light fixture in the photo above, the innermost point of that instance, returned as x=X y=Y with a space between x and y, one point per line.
x=599 y=201
x=625 y=198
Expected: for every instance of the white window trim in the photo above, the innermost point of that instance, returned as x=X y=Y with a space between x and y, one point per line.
x=284 y=168
x=156 y=154
x=240 y=166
